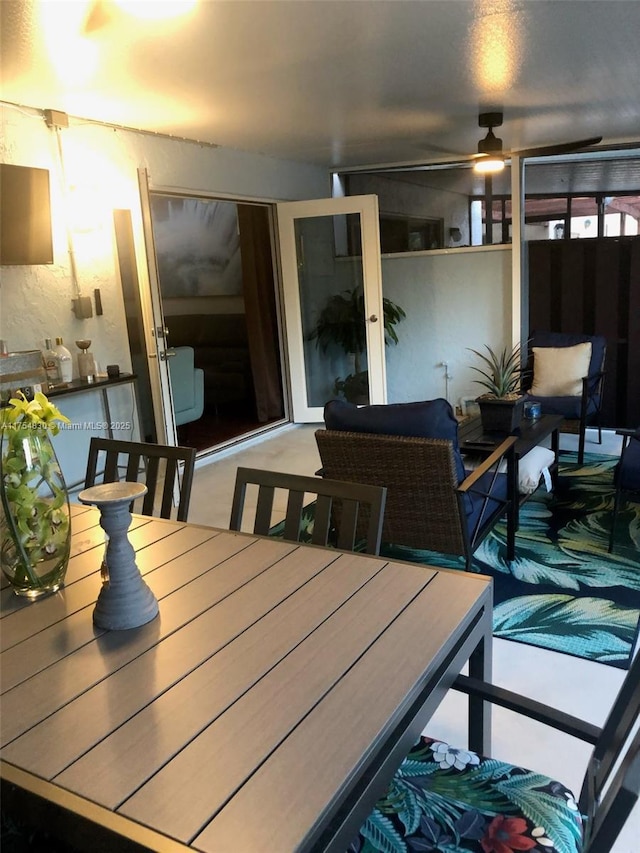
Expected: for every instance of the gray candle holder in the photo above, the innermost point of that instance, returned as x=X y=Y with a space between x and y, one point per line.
x=125 y=600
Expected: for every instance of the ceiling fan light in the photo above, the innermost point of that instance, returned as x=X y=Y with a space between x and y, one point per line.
x=489 y=164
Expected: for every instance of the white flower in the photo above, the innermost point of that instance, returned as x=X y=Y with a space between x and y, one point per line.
x=571 y=803
x=540 y=835
x=448 y=756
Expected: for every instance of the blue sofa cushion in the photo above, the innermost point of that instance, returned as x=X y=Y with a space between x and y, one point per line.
x=426 y=419
x=474 y=506
x=628 y=471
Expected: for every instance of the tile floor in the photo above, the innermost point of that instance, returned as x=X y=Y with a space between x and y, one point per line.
x=579 y=687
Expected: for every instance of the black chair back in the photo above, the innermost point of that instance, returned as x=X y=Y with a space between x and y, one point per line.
x=145 y=458
x=346 y=505
x=612 y=783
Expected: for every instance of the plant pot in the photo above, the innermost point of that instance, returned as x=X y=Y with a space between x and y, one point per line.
x=500 y=415
x=35 y=528
x=354 y=388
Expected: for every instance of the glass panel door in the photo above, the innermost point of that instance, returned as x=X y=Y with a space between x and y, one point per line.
x=330 y=254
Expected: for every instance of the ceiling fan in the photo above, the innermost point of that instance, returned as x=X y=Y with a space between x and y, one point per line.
x=491 y=155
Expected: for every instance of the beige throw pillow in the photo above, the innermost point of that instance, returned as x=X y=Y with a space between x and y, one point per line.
x=558 y=371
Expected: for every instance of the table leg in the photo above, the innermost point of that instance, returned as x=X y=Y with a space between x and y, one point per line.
x=513 y=512
x=555 y=447
x=480 y=666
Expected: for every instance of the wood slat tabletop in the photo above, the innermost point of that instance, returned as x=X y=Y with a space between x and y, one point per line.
x=265 y=708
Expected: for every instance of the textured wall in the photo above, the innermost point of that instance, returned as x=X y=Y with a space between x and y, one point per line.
x=101 y=165
x=453 y=301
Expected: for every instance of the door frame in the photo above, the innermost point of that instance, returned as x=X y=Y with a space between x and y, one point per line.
x=155 y=329
x=366 y=206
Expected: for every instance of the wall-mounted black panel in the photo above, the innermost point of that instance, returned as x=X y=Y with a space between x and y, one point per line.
x=25 y=216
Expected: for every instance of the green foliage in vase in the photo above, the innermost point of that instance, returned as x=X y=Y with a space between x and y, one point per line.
x=503 y=372
x=33 y=495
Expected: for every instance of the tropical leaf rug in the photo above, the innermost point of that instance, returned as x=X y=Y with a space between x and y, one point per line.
x=564 y=591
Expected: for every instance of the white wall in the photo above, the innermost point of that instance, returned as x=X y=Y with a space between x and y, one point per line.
x=101 y=163
x=453 y=300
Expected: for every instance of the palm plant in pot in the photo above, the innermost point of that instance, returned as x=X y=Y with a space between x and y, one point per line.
x=341 y=322
x=502 y=404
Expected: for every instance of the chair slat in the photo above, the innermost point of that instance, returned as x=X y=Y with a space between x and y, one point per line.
x=322 y=522
x=348 y=525
x=293 y=518
x=348 y=495
x=149 y=500
x=264 y=509
x=170 y=471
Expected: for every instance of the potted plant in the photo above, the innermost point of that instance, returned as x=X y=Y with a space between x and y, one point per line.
x=342 y=323
x=501 y=405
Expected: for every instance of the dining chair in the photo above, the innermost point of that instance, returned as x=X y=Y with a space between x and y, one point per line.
x=565 y=374
x=626 y=475
x=344 y=514
x=444 y=798
x=106 y=464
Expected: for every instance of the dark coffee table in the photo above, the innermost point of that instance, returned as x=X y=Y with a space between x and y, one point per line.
x=530 y=433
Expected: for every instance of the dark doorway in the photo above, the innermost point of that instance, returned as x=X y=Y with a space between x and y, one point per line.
x=216 y=278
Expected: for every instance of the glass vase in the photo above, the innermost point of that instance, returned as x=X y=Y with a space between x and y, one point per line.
x=35 y=528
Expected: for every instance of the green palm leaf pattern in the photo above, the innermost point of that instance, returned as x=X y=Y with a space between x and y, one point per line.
x=379 y=830
x=564 y=591
x=551 y=621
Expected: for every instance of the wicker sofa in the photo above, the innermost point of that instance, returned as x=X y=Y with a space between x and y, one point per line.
x=221 y=350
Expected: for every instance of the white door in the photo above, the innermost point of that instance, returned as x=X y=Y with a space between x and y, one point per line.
x=157 y=347
x=332 y=287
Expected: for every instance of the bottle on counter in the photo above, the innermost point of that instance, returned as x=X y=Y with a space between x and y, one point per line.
x=66 y=363
x=51 y=362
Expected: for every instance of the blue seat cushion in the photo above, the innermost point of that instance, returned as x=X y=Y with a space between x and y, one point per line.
x=425 y=419
x=442 y=798
x=476 y=502
x=628 y=470
x=568 y=407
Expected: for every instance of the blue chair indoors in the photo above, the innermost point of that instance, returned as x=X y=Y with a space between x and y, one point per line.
x=187 y=386
x=433 y=504
x=565 y=374
x=446 y=799
x=626 y=475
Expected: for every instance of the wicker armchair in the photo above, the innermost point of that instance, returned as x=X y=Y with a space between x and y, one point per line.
x=427 y=507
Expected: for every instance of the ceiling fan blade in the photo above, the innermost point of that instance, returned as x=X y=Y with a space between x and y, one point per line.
x=561 y=148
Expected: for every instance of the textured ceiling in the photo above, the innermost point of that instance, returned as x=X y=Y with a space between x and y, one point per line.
x=335 y=83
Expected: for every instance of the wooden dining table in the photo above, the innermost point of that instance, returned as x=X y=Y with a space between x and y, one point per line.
x=263 y=711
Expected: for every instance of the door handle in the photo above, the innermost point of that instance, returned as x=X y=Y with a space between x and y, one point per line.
x=161 y=331
x=170 y=353
x=373 y=318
